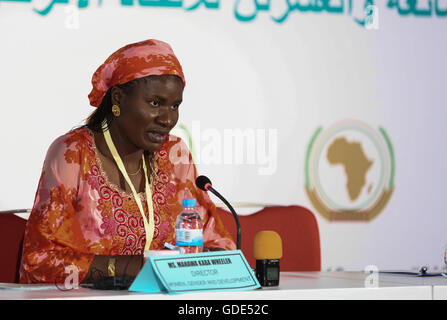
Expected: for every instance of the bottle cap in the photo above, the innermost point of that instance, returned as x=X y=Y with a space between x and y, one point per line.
x=189 y=202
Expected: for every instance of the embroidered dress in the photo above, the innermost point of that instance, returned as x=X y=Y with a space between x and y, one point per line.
x=78 y=213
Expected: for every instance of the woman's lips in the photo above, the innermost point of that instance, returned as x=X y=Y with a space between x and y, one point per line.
x=156 y=137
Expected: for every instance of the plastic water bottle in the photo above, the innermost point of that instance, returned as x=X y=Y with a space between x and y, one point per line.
x=189 y=228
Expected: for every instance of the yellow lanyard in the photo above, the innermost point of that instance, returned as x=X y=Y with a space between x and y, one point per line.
x=148 y=226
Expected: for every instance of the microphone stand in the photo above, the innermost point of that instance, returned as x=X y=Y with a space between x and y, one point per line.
x=238 y=225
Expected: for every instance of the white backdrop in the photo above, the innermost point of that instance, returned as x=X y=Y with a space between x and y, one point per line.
x=312 y=70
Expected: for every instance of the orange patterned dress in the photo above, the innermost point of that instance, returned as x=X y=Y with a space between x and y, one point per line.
x=78 y=213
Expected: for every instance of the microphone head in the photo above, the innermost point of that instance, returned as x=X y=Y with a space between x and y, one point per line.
x=203 y=183
x=267 y=246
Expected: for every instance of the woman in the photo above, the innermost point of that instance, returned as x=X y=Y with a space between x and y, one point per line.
x=91 y=205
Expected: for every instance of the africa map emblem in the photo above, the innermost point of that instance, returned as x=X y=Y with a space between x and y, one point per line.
x=350 y=169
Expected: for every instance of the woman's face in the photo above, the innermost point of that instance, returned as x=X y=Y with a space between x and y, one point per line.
x=149 y=110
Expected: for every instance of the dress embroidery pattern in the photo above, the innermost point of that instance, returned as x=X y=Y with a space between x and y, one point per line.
x=121 y=218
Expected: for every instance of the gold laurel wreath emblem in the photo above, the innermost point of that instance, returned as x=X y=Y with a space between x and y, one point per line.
x=368 y=214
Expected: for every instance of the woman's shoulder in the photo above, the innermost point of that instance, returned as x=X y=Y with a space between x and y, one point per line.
x=74 y=137
x=71 y=145
x=174 y=141
x=173 y=148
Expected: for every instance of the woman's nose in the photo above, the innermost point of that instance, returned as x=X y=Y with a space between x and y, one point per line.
x=165 y=117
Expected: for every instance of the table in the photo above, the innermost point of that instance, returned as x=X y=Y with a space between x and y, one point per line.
x=440 y=293
x=293 y=286
x=437 y=284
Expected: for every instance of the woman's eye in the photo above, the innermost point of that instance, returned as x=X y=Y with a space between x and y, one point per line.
x=175 y=106
x=154 y=103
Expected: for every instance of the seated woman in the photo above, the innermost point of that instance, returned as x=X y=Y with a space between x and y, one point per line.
x=113 y=188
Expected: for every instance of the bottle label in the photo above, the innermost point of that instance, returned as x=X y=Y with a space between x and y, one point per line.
x=189 y=237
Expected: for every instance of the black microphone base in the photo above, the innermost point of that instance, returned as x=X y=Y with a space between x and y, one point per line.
x=267 y=272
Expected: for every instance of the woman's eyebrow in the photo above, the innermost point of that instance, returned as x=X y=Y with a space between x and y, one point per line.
x=155 y=96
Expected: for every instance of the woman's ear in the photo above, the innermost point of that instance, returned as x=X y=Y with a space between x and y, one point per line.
x=116 y=94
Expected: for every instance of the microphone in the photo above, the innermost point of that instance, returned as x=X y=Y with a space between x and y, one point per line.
x=204 y=183
x=267 y=250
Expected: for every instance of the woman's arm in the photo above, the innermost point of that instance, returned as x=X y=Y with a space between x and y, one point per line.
x=215 y=234
x=53 y=237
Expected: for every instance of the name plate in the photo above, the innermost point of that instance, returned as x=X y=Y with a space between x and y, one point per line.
x=207 y=271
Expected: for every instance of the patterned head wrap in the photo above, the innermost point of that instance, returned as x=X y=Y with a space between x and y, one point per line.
x=137 y=60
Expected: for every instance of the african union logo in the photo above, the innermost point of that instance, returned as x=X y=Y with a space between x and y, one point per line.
x=350 y=171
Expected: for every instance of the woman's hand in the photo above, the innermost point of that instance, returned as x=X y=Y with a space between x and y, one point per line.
x=123 y=265
x=208 y=249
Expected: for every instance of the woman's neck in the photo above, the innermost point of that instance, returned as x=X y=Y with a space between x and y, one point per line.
x=129 y=153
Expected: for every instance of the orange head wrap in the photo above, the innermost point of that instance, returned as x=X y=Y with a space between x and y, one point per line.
x=137 y=60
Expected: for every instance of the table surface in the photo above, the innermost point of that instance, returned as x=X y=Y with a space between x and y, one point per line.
x=293 y=286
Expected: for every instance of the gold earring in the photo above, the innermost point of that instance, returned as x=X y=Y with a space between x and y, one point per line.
x=116 y=110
